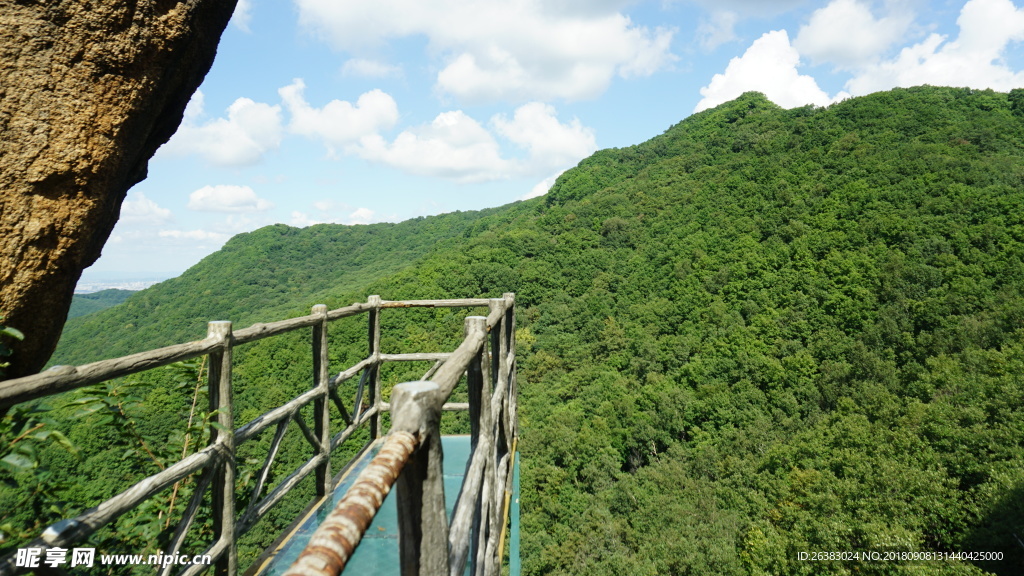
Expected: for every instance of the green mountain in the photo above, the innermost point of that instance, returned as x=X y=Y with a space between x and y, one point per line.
x=267 y=274
x=82 y=304
x=762 y=333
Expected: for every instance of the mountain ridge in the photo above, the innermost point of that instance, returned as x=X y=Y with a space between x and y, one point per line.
x=763 y=332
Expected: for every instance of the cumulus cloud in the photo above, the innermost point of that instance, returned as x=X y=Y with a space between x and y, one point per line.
x=242 y=15
x=227 y=198
x=330 y=212
x=361 y=216
x=138 y=209
x=542 y=187
x=768 y=66
x=338 y=123
x=974 y=59
x=717 y=29
x=847 y=34
x=369 y=68
x=757 y=8
x=453 y=146
x=551 y=144
x=250 y=130
x=518 y=50
x=457 y=147
x=203 y=235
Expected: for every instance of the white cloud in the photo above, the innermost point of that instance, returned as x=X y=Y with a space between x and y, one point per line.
x=339 y=123
x=551 y=144
x=325 y=207
x=227 y=198
x=361 y=216
x=768 y=66
x=718 y=29
x=302 y=220
x=369 y=68
x=330 y=205
x=751 y=7
x=974 y=59
x=517 y=50
x=846 y=34
x=453 y=146
x=203 y=235
x=250 y=130
x=195 y=107
x=141 y=210
x=457 y=147
x=542 y=187
x=242 y=15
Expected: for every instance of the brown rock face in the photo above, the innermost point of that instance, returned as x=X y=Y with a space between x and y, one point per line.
x=89 y=89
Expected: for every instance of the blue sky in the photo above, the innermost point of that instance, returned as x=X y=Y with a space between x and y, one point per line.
x=357 y=112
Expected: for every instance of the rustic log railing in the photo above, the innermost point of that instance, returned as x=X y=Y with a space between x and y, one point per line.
x=427 y=545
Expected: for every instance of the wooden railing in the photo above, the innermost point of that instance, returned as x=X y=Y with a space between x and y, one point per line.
x=428 y=546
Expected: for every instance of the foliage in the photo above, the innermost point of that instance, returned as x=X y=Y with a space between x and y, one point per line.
x=35 y=500
x=113 y=406
x=269 y=273
x=761 y=333
x=5 y=350
x=83 y=304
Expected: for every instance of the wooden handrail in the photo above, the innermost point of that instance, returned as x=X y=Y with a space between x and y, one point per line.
x=422 y=491
x=336 y=538
x=427 y=544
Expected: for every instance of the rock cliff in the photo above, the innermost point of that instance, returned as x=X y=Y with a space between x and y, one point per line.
x=88 y=91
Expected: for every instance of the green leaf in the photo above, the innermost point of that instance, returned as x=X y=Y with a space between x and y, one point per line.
x=18 y=462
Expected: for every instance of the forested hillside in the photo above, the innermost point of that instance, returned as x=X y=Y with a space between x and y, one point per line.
x=84 y=304
x=762 y=333
x=262 y=275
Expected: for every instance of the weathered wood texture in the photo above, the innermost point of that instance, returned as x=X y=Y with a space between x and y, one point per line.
x=336 y=538
x=373 y=325
x=321 y=406
x=422 y=520
x=221 y=394
x=486 y=355
x=64 y=378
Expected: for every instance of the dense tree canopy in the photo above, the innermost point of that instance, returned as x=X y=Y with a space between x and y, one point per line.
x=761 y=333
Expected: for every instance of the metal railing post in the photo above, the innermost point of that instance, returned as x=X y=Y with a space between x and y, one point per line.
x=223 y=434
x=422 y=519
x=321 y=406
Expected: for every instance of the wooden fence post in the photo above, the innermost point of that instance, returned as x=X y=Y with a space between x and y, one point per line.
x=481 y=519
x=510 y=331
x=422 y=519
x=321 y=406
x=374 y=380
x=223 y=496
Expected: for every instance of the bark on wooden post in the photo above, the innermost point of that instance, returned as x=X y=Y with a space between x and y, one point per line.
x=502 y=445
x=224 y=484
x=504 y=344
x=465 y=528
x=499 y=374
x=513 y=392
x=321 y=406
x=374 y=380
x=422 y=520
x=482 y=523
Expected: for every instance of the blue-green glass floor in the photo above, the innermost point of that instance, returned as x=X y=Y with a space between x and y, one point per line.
x=377 y=553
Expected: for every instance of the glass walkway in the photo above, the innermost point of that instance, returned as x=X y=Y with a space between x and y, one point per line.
x=377 y=553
